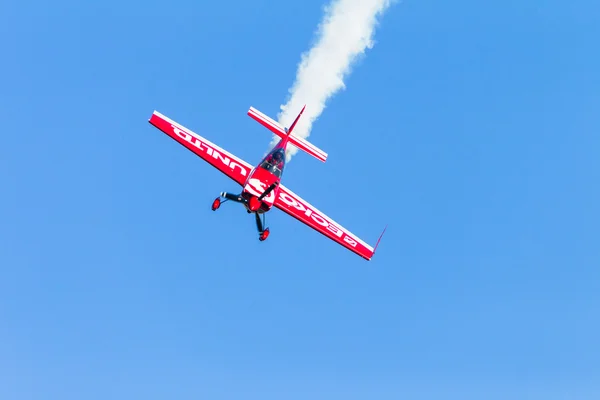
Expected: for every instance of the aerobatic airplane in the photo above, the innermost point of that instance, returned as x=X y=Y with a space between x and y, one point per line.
x=261 y=185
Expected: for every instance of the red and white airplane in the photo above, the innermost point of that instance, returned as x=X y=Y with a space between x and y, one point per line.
x=262 y=188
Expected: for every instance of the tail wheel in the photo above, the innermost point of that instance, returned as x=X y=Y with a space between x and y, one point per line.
x=216 y=204
x=264 y=235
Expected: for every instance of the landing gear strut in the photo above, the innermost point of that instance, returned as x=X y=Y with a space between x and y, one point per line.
x=263 y=234
x=228 y=196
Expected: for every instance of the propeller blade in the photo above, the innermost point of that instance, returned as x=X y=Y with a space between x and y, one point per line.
x=269 y=190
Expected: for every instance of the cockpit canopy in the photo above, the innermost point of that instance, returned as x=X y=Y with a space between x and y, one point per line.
x=274 y=162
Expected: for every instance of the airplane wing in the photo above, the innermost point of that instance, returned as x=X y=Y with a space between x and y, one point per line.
x=300 y=209
x=232 y=166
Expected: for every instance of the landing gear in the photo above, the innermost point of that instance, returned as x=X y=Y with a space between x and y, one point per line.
x=263 y=234
x=228 y=196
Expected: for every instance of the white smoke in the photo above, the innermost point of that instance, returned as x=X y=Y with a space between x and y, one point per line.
x=345 y=33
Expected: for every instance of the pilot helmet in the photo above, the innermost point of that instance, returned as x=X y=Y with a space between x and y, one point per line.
x=278 y=156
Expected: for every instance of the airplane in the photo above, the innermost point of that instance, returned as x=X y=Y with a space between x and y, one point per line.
x=261 y=185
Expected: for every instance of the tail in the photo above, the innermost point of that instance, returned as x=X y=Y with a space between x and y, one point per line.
x=284 y=132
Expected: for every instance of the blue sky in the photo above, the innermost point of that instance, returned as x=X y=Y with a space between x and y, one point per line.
x=470 y=128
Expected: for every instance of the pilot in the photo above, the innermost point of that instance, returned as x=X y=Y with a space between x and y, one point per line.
x=278 y=158
x=278 y=163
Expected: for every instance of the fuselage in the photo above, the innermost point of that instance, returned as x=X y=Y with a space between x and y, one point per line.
x=265 y=177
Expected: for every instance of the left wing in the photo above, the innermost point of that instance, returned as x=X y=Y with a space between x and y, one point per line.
x=300 y=209
x=232 y=166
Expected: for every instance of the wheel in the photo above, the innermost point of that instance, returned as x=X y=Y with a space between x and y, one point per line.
x=216 y=204
x=264 y=235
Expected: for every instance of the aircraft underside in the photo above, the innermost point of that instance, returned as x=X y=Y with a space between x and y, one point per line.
x=252 y=204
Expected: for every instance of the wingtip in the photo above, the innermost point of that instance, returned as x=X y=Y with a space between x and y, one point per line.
x=378 y=240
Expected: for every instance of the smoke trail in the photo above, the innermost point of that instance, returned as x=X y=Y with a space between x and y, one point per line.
x=344 y=34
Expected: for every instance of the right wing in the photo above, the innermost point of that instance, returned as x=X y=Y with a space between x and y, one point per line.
x=232 y=166
x=300 y=209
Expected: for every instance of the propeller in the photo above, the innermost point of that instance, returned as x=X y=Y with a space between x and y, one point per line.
x=266 y=192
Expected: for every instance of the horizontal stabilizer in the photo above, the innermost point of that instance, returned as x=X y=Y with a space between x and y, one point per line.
x=267 y=122
x=308 y=147
x=283 y=133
